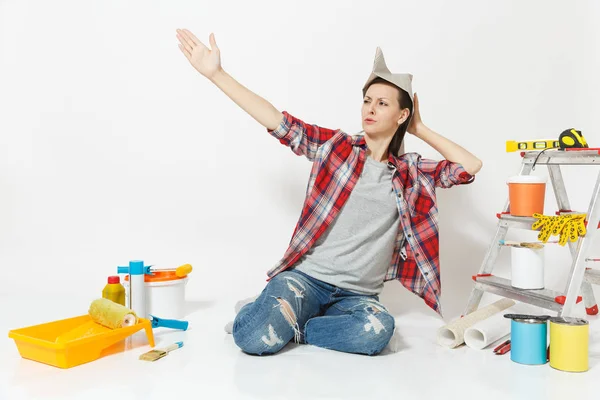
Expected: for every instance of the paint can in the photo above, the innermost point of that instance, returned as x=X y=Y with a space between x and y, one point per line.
x=527 y=268
x=528 y=339
x=165 y=294
x=569 y=344
x=526 y=195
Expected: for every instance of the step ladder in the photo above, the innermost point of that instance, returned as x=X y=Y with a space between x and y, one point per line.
x=580 y=277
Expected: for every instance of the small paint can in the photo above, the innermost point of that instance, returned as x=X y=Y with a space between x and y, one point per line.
x=569 y=344
x=528 y=339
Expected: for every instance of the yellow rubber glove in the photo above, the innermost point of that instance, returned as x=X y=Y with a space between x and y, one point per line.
x=541 y=220
x=544 y=223
x=581 y=226
x=565 y=234
x=567 y=226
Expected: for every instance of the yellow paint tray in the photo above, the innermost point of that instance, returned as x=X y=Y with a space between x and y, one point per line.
x=74 y=341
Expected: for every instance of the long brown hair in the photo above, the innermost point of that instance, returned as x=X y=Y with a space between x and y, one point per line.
x=405 y=102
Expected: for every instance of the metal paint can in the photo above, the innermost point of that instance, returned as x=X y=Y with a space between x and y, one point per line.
x=569 y=341
x=527 y=268
x=528 y=340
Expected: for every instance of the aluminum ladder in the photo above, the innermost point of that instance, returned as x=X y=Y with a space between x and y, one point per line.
x=580 y=277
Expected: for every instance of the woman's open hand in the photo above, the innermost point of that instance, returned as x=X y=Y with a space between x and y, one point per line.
x=204 y=60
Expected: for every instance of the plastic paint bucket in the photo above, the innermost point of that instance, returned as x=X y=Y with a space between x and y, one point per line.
x=527 y=268
x=569 y=341
x=165 y=294
x=528 y=341
x=526 y=195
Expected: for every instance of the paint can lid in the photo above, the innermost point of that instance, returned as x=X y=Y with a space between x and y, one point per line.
x=160 y=276
x=527 y=179
x=568 y=321
x=528 y=319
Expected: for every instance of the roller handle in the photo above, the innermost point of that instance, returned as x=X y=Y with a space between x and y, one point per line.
x=125 y=270
x=183 y=270
x=180 y=271
x=169 y=323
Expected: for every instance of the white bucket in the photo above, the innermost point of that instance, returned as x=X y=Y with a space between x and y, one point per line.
x=164 y=299
x=527 y=268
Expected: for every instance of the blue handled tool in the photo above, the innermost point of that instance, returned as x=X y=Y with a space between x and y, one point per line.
x=168 y=323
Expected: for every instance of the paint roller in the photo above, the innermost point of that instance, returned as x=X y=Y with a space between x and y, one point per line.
x=111 y=315
x=105 y=315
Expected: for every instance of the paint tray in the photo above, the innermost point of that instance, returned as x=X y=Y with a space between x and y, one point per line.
x=74 y=341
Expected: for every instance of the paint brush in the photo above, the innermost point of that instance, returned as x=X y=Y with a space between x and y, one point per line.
x=528 y=245
x=155 y=354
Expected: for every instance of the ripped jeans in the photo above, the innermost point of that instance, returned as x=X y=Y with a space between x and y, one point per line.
x=296 y=306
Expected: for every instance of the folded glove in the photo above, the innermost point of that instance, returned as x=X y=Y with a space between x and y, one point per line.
x=568 y=226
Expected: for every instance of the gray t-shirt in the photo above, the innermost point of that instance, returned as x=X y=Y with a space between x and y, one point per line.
x=355 y=251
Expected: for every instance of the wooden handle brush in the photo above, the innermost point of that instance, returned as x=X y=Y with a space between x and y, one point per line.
x=528 y=245
x=155 y=354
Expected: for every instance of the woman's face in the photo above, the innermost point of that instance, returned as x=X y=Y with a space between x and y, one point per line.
x=381 y=111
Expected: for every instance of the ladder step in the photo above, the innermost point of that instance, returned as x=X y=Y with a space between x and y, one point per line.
x=593 y=276
x=513 y=221
x=516 y=222
x=558 y=157
x=544 y=298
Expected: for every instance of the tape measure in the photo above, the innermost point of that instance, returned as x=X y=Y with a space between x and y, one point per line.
x=569 y=138
x=572 y=138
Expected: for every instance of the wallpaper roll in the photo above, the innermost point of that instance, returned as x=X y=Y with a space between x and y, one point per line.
x=452 y=335
x=489 y=330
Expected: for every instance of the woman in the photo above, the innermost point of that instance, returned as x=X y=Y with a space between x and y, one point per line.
x=370 y=216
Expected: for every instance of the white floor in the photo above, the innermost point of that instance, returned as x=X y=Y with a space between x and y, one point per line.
x=210 y=366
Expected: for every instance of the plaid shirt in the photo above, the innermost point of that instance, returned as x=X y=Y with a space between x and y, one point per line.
x=338 y=159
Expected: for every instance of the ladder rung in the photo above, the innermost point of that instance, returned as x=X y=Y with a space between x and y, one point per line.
x=526 y=222
x=544 y=298
x=558 y=157
x=593 y=276
x=517 y=222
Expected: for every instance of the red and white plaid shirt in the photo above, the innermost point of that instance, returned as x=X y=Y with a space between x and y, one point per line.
x=338 y=159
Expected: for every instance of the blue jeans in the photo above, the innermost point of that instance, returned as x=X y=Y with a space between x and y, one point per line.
x=296 y=306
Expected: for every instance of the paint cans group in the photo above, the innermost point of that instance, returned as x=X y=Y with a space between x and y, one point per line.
x=567 y=348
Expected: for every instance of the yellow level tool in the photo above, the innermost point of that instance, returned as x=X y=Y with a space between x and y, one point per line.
x=512 y=145
x=569 y=138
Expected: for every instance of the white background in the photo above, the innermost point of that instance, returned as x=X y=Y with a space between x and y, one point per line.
x=112 y=147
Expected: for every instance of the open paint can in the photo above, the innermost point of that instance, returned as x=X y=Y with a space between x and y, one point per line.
x=528 y=339
x=527 y=268
x=569 y=341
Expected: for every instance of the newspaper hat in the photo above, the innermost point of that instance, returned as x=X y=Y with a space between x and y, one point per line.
x=403 y=81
